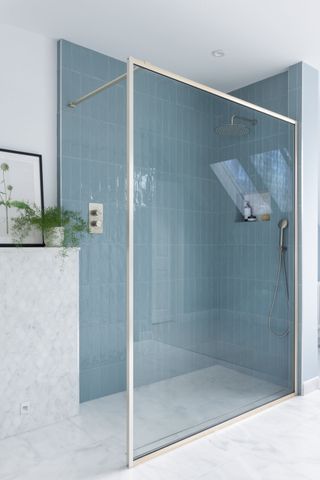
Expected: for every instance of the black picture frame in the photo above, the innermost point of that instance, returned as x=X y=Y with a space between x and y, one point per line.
x=10 y=156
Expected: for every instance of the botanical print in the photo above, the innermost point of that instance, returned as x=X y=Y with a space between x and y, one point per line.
x=20 y=183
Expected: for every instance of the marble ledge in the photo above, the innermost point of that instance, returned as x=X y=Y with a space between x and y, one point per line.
x=36 y=248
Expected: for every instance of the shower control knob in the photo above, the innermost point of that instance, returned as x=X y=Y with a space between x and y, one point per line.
x=96 y=223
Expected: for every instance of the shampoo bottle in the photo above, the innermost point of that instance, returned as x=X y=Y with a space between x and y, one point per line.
x=246 y=210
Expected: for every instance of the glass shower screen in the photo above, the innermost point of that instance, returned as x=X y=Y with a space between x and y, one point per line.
x=212 y=310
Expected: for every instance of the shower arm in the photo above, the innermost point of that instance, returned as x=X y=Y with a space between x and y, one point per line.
x=94 y=92
x=249 y=120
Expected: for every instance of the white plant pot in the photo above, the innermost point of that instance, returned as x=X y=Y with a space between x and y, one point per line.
x=54 y=237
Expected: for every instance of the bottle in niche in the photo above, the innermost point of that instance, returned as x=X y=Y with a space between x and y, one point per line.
x=246 y=211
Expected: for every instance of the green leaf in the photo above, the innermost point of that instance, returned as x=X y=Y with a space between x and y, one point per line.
x=32 y=217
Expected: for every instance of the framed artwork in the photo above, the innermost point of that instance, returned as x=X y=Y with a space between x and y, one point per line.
x=20 y=180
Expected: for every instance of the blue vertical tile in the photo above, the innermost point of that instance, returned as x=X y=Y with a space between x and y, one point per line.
x=198 y=270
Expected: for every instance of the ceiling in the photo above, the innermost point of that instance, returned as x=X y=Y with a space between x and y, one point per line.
x=259 y=37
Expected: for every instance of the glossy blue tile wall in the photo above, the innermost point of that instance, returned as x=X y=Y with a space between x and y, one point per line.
x=217 y=273
x=271 y=93
x=255 y=344
x=92 y=169
x=177 y=206
x=203 y=278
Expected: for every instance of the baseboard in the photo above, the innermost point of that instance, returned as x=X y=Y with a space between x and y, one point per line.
x=310 y=385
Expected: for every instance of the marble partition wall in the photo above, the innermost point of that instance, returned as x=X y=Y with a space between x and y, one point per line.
x=38 y=338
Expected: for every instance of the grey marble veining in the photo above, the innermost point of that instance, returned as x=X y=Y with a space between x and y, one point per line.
x=38 y=337
x=280 y=443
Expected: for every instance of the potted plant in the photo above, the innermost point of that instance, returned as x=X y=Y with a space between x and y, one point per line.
x=60 y=227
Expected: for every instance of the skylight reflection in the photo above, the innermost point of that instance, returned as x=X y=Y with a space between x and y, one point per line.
x=234 y=180
x=275 y=173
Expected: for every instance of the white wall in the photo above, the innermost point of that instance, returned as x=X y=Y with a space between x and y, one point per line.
x=304 y=106
x=309 y=221
x=28 y=99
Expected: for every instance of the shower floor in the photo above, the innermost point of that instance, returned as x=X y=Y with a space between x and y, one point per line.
x=193 y=402
x=184 y=404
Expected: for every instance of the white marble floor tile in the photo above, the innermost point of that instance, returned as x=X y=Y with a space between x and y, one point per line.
x=56 y=439
x=280 y=443
x=82 y=464
x=238 y=469
x=16 y=454
x=104 y=418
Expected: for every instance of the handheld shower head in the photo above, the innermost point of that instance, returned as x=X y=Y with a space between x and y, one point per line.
x=283 y=224
x=282 y=267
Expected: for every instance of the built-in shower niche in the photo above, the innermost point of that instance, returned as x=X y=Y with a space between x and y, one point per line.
x=241 y=189
x=259 y=205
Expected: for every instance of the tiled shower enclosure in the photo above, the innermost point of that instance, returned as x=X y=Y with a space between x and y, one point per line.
x=213 y=319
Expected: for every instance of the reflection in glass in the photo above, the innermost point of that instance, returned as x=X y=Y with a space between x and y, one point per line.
x=276 y=175
x=203 y=278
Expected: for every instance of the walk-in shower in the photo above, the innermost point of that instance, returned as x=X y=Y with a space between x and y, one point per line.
x=187 y=311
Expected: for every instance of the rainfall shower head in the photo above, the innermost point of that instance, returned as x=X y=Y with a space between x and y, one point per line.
x=233 y=129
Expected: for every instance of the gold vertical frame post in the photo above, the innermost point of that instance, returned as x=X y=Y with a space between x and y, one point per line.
x=130 y=259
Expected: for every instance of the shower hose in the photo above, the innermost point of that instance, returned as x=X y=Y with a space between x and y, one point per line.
x=281 y=266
